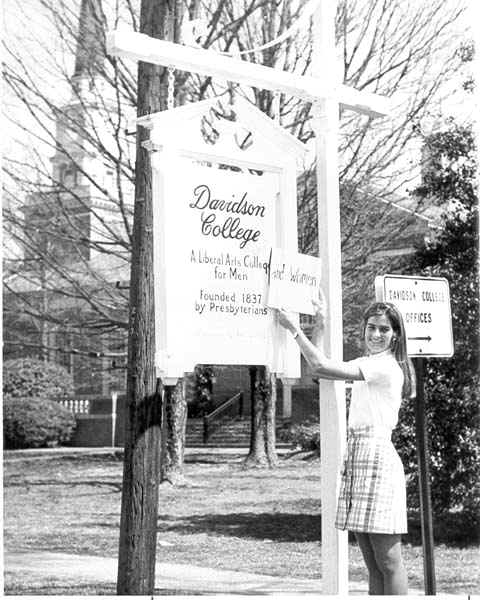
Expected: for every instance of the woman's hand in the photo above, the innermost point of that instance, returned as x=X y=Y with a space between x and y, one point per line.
x=285 y=320
x=320 y=307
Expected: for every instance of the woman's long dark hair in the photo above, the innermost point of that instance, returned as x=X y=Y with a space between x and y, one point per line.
x=399 y=345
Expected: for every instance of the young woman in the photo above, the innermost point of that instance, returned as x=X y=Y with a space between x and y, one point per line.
x=372 y=499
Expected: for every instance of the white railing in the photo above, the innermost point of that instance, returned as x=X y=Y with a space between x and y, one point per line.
x=76 y=405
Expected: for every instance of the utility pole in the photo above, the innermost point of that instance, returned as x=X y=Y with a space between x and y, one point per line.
x=138 y=522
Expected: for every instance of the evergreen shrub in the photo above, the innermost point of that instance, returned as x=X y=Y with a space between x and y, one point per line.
x=33 y=378
x=202 y=402
x=452 y=385
x=453 y=424
x=305 y=436
x=35 y=423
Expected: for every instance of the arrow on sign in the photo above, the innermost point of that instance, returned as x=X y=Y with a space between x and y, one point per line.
x=428 y=338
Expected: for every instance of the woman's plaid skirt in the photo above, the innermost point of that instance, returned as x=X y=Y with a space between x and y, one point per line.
x=372 y=495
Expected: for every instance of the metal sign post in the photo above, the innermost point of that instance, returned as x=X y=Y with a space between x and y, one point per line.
x=423 y=458
x=424 y=303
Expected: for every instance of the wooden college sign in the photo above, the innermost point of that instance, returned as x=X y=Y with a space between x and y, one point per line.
x=219 y=208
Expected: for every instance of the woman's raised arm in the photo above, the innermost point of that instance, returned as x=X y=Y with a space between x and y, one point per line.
x=314 y=354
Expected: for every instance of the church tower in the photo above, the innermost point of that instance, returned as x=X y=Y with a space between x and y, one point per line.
x=77 y=226
x=89 y=205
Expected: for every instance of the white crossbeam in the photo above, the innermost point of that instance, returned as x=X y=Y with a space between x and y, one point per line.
x=139 y=46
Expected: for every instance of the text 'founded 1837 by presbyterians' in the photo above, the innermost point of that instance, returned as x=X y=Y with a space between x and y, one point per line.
x=234 y=303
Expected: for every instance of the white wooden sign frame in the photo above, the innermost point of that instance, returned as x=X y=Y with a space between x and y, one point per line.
x=175 y=139
x=138 y=46
x=326 y=94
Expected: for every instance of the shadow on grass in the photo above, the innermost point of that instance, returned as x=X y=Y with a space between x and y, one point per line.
x=214 y=459
x=277 y=527
x=115 y=487
x=451 y=529
x=89 y=590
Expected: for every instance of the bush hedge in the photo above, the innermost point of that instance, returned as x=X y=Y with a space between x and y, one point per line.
x=202 y=402
x=35 y=423
x=305 y=436
x=33 y=378
x=453 y=424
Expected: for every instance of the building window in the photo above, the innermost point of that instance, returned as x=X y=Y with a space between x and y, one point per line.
x=68 y=176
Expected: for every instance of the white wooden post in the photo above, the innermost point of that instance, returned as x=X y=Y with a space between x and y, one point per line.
x=114 y=415
x=326 y=95
x=286 y=397
x=332 y=394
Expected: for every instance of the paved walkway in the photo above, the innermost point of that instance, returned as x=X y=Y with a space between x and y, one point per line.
x=57 y=570
x=63 y=570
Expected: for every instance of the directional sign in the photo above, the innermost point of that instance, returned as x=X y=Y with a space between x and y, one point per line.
x=425 y=306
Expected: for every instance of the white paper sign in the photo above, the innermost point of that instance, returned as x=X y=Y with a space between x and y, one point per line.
x=294 y=281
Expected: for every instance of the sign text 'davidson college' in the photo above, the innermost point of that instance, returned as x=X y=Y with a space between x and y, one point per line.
x=232 y=226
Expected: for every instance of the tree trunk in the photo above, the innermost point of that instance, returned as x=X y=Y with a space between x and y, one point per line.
x=175 y=403
x=174 y=422
x=257 y=456
x=44 y=341
x=270 y=422
x=262 y=451
x=138 y=521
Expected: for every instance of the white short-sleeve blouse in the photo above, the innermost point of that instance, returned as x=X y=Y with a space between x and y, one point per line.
x=376 y=400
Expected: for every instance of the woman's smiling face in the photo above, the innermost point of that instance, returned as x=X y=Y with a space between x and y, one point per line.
x=378 y=334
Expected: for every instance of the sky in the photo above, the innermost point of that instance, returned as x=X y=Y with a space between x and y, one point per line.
x=19 y=15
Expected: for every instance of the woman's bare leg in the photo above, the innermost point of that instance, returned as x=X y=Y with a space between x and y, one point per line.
x=375 y=576
x=387 y=549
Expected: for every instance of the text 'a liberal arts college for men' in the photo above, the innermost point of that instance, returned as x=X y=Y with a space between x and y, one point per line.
x=229 y=266
x=231 y=228
x=227 y=259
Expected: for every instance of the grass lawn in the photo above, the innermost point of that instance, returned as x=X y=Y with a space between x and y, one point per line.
x=259 y=521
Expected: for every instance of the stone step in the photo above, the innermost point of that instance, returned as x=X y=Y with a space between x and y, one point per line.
x=240 y=426
x=220 y=436
x=230 y=434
